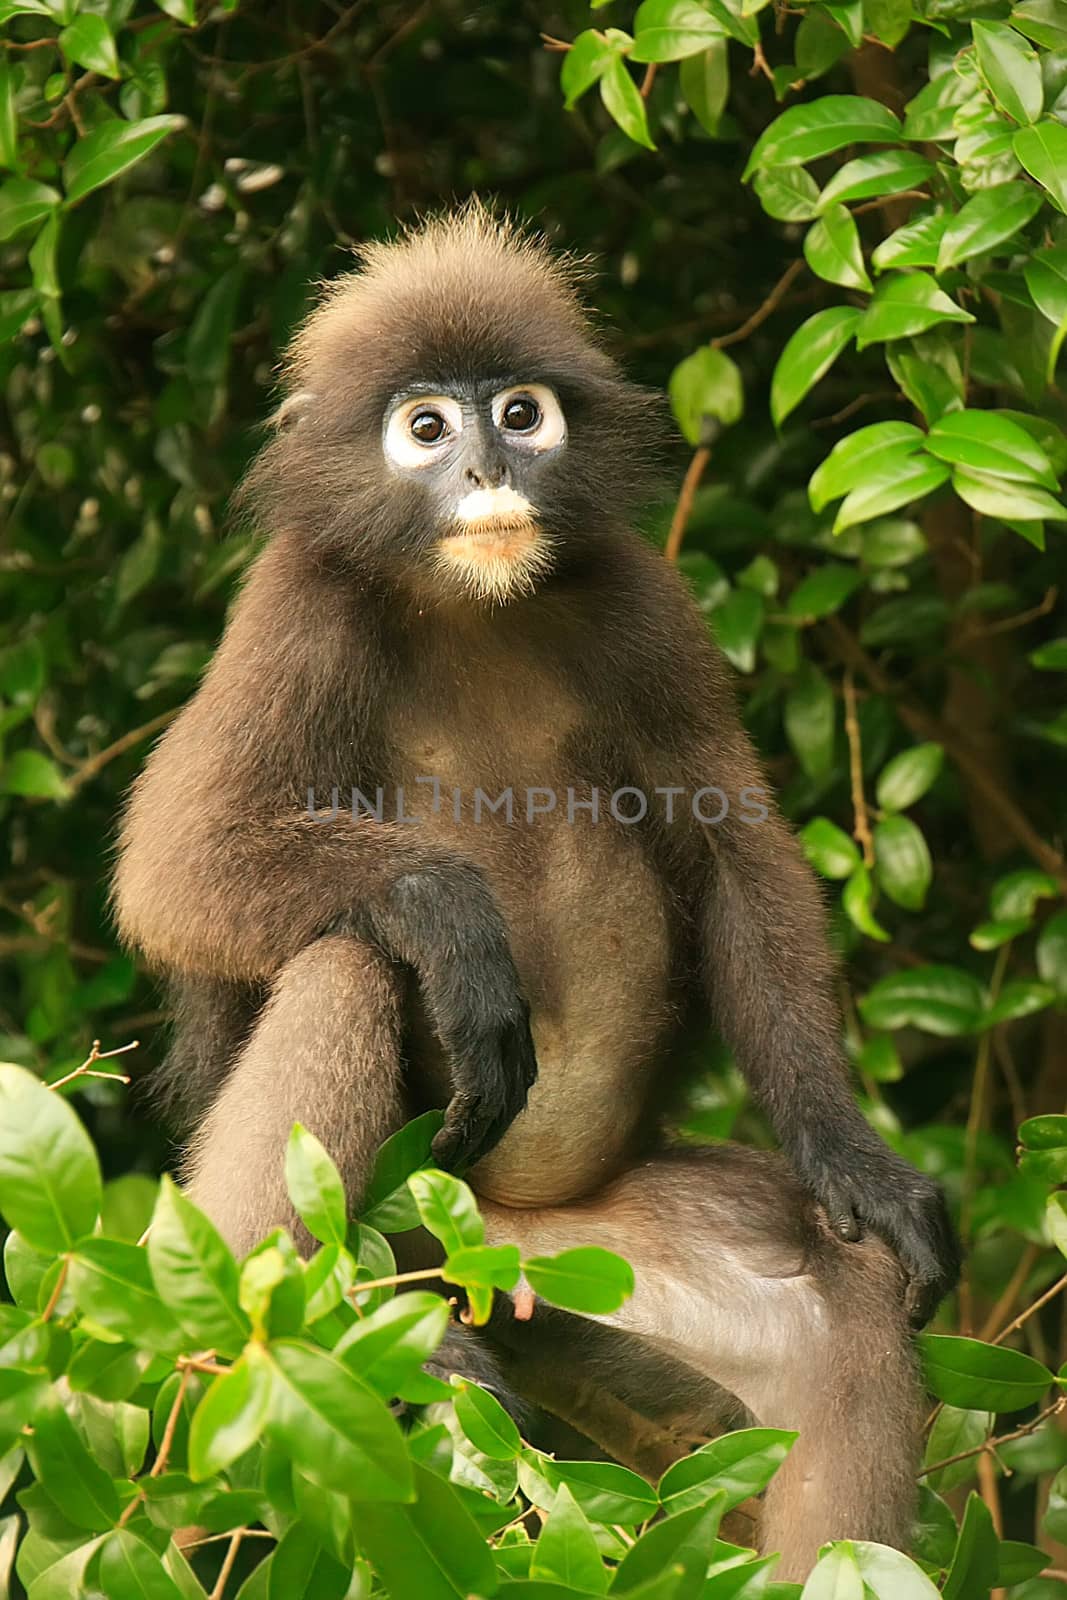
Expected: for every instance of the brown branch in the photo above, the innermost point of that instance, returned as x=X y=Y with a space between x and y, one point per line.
x=648 y=80
x=89 y=769
x=690 y=485
x=990 y=1445
x=762 y=312
x=227 y=1565
x=1043 y=1300
x=53 y=1298
x=96 y=1054
x=861 y=830
x=1007 y=1299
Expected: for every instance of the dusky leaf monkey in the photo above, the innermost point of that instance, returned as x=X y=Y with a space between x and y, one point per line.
x=452 y=607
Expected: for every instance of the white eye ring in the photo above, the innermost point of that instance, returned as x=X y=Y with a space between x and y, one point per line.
x=548 y=432
x=402 y=447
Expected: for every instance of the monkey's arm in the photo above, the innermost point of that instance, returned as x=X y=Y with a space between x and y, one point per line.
x=223 y=875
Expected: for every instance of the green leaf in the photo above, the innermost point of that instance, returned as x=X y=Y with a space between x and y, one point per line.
x=1018 y=999
x=484 y=1266
x=929 y=373
x=888 y=20
x=1051 y=657
x=704 y=80
x=991 y=935
x=1010 y=70
x=902 y=862
x=1052 y=953
x=931 y=114
x=89 y=42
x=566 y=1549
x=668 y=30
x=389 y=1204
x=111 y=1282
x=941 y=1000
x=387 y=1348
x=705 y=385
x=979 y=1376
x=130 y=1570
x=8 y=115
x=788 y=193
x=914 y=245
x=810 y=354
x=608 y=1494
x=829 y=849
x=23 y=203
x=990 y=218
x=315 y=1188
x=737 y=624
x=735 y=1465
x=585 y=63
x=990 y=443
x=337 y=1430
x=195 y=1273
x=824 y=591
x=997 y=497
x=585 y=1279
x=50 y=1186
x=867 y=177
x=857 y=900
x=432 y=1550
x=891 y=542
x=231 y=1417
x=624 y=105
x=835 y=1576
x=854 y=458
x=905 y=304
x=1042 y=150
x=207 y=347
x=301 y=1569
x=448 y=1209
x=906 y=778
x=81 y=1489
x=954 y=1431
x=31 y=773
x=810 y=719
x=110 y=149
x=1046 y=279
x=832 y=249
x=818 y=128
x=683 y=1539
x=889 y=1574
x=1043 y=21
x=901 y=477
x=485 y=1422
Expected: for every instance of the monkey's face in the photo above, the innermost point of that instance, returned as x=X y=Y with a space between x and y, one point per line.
x=482 y=454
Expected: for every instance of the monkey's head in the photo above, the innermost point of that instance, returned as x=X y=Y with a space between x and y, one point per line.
x=450 y=423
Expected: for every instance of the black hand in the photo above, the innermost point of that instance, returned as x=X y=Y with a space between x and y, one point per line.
x=876 y=1189
x=444 y=923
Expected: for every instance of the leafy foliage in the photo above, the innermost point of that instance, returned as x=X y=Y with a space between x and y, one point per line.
x=836 y=235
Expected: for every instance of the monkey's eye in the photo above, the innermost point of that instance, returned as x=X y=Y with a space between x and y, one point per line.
x=531 y=418
x=428 y=427
x=521 y=414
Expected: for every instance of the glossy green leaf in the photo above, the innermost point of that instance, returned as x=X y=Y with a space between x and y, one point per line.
x=623 y=103
x=835 y=1576
x=1008 y=500
x=954 y=1432
x=736 y=1465
x=50 y=1187
x=109 y=150
x=585 y=1279
x=857 y=901
x=23 y=203
x=682 y=1540
x=668 y=30
x=809 y=355
x=974 y=1563
x=706 y=385
x=990 y=218
x=888 y=20
x=1046 y=279
x=867 y=177
x=855 y=458
x=704 y=80
x=905 y=304
x=990 y=443
x=809 y=714
x=608 y=1494
x=89 y=42
x=1051 y=657
x=916 y=244
x=788 y=193
x=901 y=477
x=585 y=63
x=938 y=999
x=111 y=1282
x=902 y=862
x=1043 y=21
x=82 y=1490
x=829 y=849
x=8 y=115
x=818 y=128
x=195 y=1274
x=388 y=1347
x=483 y=1266
x=824 y=591
x=890 y=1575
x=832 y=249
x=906 y=778
x=432 y=1549
x=737 y=624
x=388 y=1204
x=315 y=1187
x=929 y=373
x=1010 y=70
x=1042 y=150
x=230 y=1418
x=1052 y=953
x=485 y=1422
x=131 y=1570
x=979 y=1376
x=448 y=1209
x=302 y=1569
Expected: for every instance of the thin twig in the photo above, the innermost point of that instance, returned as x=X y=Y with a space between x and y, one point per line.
x=227 y=1565
x=861 y=829
x=690 y=485
x=1043 y=1300
x=96 y=1054
x=762 y=312
x=1005 y=1438
x=1007 y=1299
x=95 y=764
x=648 y=80
x=53 y=1298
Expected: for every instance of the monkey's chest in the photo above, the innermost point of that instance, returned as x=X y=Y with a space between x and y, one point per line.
x=590 y=928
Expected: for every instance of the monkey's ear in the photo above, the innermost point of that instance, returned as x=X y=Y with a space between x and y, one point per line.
x=292 y=411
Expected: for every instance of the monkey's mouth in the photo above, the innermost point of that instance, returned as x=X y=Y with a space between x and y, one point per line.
x=495 y=546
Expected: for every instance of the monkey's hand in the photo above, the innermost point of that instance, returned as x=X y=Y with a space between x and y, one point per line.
x=443 y=921
x=874 y=1189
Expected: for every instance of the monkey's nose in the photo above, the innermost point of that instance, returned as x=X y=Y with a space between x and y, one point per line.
x=487 y=477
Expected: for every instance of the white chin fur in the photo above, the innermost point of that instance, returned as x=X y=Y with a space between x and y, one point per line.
x=496 y=557
x=485 y=505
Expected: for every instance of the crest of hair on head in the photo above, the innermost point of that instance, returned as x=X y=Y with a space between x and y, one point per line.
x=447 y=268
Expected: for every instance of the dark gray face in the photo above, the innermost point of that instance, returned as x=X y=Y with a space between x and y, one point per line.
x=478 y=450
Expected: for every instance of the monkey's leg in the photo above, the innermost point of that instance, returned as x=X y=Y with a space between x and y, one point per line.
x=738 y=1277
x=325 y=1052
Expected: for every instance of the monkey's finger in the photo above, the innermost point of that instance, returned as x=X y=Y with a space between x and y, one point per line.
x=847 y=1226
